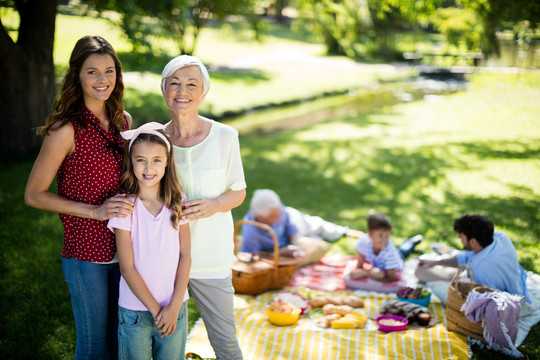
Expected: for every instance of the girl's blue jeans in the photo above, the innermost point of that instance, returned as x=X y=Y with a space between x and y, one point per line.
x=139 y=339
x=94 y=298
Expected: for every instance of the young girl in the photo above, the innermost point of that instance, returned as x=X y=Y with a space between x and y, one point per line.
x=153 y=249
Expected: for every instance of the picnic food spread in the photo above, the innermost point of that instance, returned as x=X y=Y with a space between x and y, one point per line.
x=339 y=313
x=341 y=317
x=412 y=312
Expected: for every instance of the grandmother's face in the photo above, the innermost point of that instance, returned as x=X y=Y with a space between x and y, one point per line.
x=183 y=91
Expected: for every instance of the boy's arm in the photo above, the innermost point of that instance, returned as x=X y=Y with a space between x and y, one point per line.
x=360 y=259
x=168 y=316
x=359 y=272
x=130 y=273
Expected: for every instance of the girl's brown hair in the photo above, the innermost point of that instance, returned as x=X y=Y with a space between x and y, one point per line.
x=170 y=189
x=70 y=104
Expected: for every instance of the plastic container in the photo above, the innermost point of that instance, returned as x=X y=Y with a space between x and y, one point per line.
x=422 y=301
x=282 y=319
x=390 y=328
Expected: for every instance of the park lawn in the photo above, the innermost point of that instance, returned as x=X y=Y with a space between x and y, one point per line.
x=422 y=163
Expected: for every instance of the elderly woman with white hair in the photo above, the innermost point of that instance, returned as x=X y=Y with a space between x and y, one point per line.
x=207 y=157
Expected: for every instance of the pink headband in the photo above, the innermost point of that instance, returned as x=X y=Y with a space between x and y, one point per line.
x=148 y=128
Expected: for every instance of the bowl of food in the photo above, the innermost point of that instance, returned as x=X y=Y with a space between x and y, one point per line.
x=389 y=323
x=419 y=296
x=281 y=313
x=294 y=299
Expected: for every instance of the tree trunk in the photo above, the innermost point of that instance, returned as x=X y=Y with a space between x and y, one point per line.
x=28 y=81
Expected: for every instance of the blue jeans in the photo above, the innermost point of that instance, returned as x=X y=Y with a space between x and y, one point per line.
x=94 y=298
x=139 y=339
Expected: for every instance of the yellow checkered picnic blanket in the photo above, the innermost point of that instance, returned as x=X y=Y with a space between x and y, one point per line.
x=261 y=340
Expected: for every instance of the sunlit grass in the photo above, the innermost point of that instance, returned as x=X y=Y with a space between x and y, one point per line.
x=422 y=163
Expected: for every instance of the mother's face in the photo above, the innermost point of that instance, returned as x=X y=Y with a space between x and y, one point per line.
x=183 y=91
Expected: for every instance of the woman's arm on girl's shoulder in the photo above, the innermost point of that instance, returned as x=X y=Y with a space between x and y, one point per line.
x=167 y=318
x=59 y=143
x=130 y=273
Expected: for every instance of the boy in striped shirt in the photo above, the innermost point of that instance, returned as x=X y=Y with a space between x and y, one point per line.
x=378 y=257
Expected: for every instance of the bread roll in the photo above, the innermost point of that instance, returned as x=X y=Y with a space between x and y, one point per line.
x=337 y=309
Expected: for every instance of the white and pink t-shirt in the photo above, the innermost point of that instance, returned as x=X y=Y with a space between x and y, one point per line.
x=156 y=252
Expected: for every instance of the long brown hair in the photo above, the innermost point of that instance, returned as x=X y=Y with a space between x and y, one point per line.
x=170 y=189
x=70 y=104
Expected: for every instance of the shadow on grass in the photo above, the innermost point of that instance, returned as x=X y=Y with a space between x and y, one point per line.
x=36 y=319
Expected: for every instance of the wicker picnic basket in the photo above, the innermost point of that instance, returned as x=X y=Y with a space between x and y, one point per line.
x=457 y=296
x=253 y=274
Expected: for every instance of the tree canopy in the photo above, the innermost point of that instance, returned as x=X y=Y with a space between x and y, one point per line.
x=180 y=19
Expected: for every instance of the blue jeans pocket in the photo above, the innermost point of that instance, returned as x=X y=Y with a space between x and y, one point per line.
x=128 y=317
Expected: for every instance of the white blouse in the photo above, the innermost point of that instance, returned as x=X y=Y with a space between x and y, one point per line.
x=208 y=170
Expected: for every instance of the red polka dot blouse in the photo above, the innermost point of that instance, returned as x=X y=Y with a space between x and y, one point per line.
x=90 y=175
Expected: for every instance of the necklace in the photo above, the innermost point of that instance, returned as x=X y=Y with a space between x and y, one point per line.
x=111 y=145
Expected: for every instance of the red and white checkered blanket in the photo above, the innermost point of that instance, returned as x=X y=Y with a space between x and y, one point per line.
x=327 y=274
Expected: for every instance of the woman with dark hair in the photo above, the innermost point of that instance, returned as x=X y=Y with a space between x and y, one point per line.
x=83 y=149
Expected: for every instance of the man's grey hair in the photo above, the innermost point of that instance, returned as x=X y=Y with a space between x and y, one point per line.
x=263 y=201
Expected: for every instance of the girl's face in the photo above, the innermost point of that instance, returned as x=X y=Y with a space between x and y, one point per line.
x=380 y=238
x=149 y=162
x=98 y=78
x=184 y=90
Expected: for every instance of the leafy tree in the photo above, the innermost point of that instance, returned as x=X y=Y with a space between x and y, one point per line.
x=340 y=24
x=458 y=25
x=27 y=73
x=179 y=19
x=493 y=14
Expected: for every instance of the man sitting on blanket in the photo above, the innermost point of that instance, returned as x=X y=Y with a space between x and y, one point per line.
x=288 y=223
x=490 y=255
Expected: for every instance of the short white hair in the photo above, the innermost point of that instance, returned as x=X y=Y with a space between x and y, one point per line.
x=263 y=201
x=183 y=61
